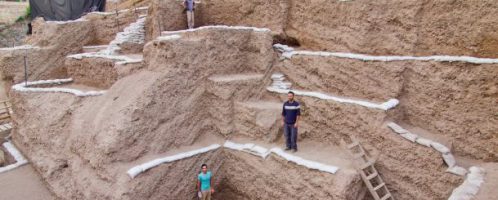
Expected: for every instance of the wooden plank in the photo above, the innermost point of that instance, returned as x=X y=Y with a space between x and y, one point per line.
x=387 y=196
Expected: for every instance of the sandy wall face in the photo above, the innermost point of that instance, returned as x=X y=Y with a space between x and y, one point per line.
x=94 y=72
x=373 y=27
x=168 y=107
x=107 y=25
x=175 y=180
x=258 y=13
x=457 y=100
x=410 y=171
x=164 y=16
x=399 y=27
x=46 y=59
x=53 y=41
x=249 y=177
x=375 y=81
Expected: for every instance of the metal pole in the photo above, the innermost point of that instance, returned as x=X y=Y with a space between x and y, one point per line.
x=159 y=24
x=26 y=68
x=117 y=21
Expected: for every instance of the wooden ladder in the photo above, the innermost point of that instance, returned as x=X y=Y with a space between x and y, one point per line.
x=371 y=177
x=5 y=110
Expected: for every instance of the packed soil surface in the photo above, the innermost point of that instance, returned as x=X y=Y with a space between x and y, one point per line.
x=23 y=183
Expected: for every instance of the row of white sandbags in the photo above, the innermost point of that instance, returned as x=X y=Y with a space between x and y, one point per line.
x=288 y=52
x=383 y=106
x=278 y=81
x=135 y=171
x=448 y=158
x=24 y=87
x=263 y=152
x=249 y=148
x=469 y=188
x=134 y=33
x=20 y=160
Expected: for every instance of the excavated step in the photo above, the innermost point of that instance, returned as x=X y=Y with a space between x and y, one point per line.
x=96 y=48
x=236 y=78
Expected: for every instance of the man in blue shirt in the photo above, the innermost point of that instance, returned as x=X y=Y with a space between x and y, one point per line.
x=204 y=183
x=190 y=7
x=291 y=112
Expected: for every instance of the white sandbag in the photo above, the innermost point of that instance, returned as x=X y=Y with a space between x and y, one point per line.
x=410 y=136
x=249 y=148
x=261 y=151
x=136 y=170
x=396 y=128
x=277 y=76
x=449 y=159
x=457 y=170
x=423 y=141
x=470 y=187
x=439 y=147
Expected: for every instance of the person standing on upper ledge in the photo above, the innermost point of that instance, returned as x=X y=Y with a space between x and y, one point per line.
x=291 y=112
x=190 y=7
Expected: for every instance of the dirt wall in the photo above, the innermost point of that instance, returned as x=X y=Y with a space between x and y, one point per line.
x=410 y=171
x=107 y=25
x=94 y=72
x=94 y=136
x=249 y=177
x=453 y=99
x=456 y=100
x=372 y=27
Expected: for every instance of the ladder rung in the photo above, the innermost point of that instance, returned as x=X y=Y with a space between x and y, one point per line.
x=379 y=186
x=371 y=176
x=366 y=165
x=352 y=145
x=387 y=196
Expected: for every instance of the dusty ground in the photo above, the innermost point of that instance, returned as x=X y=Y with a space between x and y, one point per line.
x=488 y=189
x=23 y=183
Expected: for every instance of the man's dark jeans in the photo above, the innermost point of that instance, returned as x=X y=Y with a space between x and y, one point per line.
x=290 y=133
